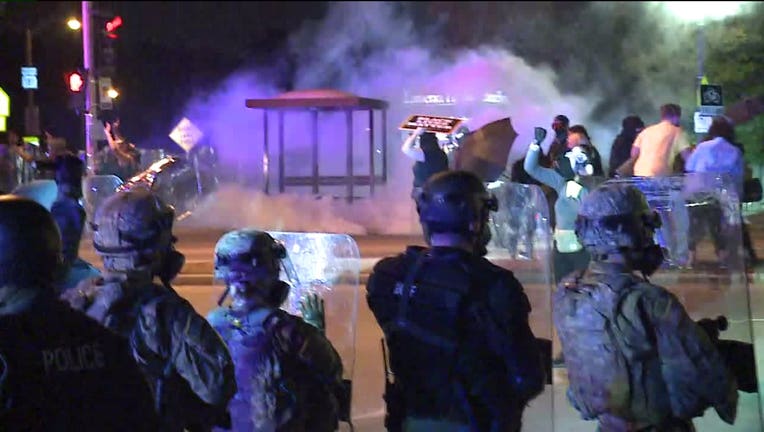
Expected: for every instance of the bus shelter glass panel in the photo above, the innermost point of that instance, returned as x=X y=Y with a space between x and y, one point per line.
x=521 y=241
x=704 y=268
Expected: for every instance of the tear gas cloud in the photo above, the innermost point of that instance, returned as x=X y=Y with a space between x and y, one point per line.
x=369 y=49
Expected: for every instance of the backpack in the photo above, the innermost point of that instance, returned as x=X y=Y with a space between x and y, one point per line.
x=597 y=363
x=279 y=392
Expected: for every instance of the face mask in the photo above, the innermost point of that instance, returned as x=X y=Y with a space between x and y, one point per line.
x=651 y=260
x=172 y=265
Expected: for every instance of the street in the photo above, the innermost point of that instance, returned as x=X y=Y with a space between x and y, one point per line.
x=705 y=293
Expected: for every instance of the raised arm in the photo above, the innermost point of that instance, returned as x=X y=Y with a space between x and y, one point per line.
x=409 y=149
x=547 y=176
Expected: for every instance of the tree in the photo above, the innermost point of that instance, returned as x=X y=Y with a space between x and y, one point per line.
x=736 y=61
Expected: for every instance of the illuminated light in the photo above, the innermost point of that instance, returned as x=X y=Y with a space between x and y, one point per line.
x=702 y=11
x=75 y=82
x=112 y=93
x=495 y=98
x=114 y=24
x=74 y=24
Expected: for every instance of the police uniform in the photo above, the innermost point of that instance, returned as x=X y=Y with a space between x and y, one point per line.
x=472 y=316
x=63 y=372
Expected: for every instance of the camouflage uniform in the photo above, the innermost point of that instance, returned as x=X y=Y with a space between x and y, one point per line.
x=184 y=359
x=635 y=359
x=59 y=370
x=288 y=374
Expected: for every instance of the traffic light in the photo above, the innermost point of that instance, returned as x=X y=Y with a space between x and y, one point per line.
x=112 y=26
x=76 y=82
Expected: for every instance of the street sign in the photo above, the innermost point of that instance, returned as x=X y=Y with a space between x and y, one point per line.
x=104 y=100
x=5 y=109
x=29 y=78
x=711 y=95
x=711 y=110
x=702 y=122
x=436 y=124
x=186 y=134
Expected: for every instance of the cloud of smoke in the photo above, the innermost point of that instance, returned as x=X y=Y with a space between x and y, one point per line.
x=369 y=49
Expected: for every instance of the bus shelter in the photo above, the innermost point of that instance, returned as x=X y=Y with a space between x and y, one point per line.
x=316 y=102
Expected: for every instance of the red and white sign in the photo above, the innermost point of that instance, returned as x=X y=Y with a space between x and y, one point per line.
x=436 y=124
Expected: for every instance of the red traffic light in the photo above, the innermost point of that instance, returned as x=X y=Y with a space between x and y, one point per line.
x=76 y=82
x=113 y=25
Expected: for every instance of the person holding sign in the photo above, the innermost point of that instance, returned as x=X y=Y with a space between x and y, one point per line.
x=429 y=158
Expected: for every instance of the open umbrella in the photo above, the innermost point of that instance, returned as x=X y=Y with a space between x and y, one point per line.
x=486 y=150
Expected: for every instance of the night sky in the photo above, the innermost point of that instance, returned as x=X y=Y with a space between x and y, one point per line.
x=164 y=50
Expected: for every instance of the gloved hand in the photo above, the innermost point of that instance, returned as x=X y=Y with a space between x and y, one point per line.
x=312 y=309
x=539 y=134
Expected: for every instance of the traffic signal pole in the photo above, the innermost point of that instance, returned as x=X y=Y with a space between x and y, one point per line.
x=91 y=107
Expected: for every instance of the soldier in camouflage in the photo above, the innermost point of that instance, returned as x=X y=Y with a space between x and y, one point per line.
x=289 y=376
x=185 y=360
x=635 y=359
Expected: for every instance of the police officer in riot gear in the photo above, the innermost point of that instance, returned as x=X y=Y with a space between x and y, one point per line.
x=70 y=218
x=184 y=359
x=289 y=375
x=59 y=370
x=448 y=302
x=635 y=359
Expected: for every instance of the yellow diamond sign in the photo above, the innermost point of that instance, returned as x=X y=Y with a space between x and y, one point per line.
x=186 y=134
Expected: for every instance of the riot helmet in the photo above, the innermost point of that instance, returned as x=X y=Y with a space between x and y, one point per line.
x=69 y=172
x=30 y=248
x=615 y=220
x=132 y=231
x=457 y=202
x=249 y=262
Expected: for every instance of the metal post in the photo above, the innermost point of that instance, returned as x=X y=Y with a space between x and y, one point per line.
x=266 y=154
x=281 y=151
x=31 y=115
x=384 y=145
x=90 y=91
x=372 y=174
x=349 y=126
x=314 y=118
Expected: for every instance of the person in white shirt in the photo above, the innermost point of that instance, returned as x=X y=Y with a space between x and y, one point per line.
x=719 y=154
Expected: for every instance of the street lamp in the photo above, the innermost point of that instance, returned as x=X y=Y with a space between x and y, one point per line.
x=701 y=13
x=112 y=93
x=74 y=24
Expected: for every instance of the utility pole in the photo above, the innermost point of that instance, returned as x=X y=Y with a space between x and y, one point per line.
x=32 y=114
x=91 y=108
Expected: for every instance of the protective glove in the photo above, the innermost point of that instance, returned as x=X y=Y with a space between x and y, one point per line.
x=539 y=134
x=312 y=309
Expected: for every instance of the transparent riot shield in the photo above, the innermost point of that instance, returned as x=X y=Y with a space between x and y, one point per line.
x=44 y=192
x=521 y=241
x=706 y=271
x=328 y=265
x=95 y=190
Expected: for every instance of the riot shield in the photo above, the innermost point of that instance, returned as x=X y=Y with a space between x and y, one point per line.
x=44 y=192
x=521 y=241
x=328 y=265
x=703 y=213
x=95 y=190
